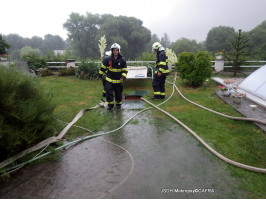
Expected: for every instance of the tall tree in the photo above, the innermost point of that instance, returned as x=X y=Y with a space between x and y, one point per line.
x=82 y=32
x=148 y=47
x=16 y=41
x=217 y=37
x=52 y=42
x=36 y=42
x=85 y=31
x=186 y=45
x=258 y=40
x=3 y=45
x=128 y=32
x=165 y=40
x=238 y=53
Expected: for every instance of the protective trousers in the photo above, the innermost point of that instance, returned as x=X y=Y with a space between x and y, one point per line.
x=104 y=92
x=111 y=89
x=158 y=84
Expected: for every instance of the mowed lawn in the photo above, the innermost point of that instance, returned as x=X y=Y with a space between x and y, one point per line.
x=238 y=140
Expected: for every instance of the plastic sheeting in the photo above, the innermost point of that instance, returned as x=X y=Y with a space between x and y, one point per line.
x=255 y=83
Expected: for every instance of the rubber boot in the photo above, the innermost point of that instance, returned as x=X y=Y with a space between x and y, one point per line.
x=104 y=94
x=118 y=106
x=110 y=106
x=162 y=96
x=156 y=97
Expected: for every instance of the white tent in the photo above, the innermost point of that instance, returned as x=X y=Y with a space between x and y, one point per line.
x=255 y=86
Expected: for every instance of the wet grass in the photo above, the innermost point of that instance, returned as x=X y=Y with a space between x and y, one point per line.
x=237 y=140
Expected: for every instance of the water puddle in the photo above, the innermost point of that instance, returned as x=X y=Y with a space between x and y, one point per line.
x=132 y=100
x=164 y=156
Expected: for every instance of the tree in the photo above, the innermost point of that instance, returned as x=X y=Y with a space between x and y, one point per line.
x=186 y=45
x=16 y=41
x=217 y=36
x=165 y=40
x=82 y=32
x=128 y=31
x=238 y=53
x=36 y=42
x=28 y=51
x=146 y=56
x=148 y=46
x=258 y=40
x=52 y=42
x=85 y=31
x=3 y=45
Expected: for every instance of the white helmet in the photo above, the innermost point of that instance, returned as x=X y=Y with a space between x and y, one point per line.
x=115 y=46
x=156 y=45
x=108 y=53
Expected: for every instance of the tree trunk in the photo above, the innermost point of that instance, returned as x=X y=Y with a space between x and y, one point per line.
x=235 y=70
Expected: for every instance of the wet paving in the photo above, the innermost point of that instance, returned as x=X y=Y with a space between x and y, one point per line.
x=151 y=157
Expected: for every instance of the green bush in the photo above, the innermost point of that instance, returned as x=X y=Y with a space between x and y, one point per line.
x=25 y=112
x=46 y=72
x=35 y=62
x=71 y=71
x=146 y=56
x=88 y=70
x=195 y=69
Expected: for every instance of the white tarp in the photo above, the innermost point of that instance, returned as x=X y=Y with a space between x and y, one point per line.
x=255 y=85
x=137 y=72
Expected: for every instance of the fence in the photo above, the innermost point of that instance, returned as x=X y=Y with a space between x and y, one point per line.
x=218 y=64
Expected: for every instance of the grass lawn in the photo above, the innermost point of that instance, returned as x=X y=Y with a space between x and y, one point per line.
x=238 y=140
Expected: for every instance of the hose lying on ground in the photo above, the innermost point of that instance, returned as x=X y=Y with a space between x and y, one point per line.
x=218 y=113
x=129 y=154
x=47 y=141
x=250 y=168
x=12 y=159
x=100 y=134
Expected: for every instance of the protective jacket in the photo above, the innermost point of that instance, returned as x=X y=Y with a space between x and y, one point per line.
x=114 y=68
x=103 y=74
x=103 y=70
x=162 y=63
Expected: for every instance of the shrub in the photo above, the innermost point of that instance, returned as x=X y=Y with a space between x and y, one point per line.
x=71 y=71
x=34 y=62
x=46 y=72
x=25 y=112
x=194 y=68
x=88 y=70
x=146 y=56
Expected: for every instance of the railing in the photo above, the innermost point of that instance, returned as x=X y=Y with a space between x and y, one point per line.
x=52 y=65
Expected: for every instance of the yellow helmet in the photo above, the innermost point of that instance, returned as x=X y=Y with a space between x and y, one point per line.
x=156 y=45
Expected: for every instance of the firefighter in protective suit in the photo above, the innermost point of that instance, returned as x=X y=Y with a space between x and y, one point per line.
x=161 y=72
x=116 y=73
x=103 y=73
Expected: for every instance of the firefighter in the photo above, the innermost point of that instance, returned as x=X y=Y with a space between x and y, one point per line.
x=103 y=71
x=116 y=73
x=161 y=72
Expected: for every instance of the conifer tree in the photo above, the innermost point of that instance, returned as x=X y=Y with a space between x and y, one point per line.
x=238 y=54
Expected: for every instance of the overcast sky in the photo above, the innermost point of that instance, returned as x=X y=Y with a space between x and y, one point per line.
x=178 y=18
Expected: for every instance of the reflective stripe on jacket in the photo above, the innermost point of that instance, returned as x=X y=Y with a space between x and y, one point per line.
x=162 y=63
x=114 y=68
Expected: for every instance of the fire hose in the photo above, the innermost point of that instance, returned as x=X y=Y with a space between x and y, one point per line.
x=247 y=167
